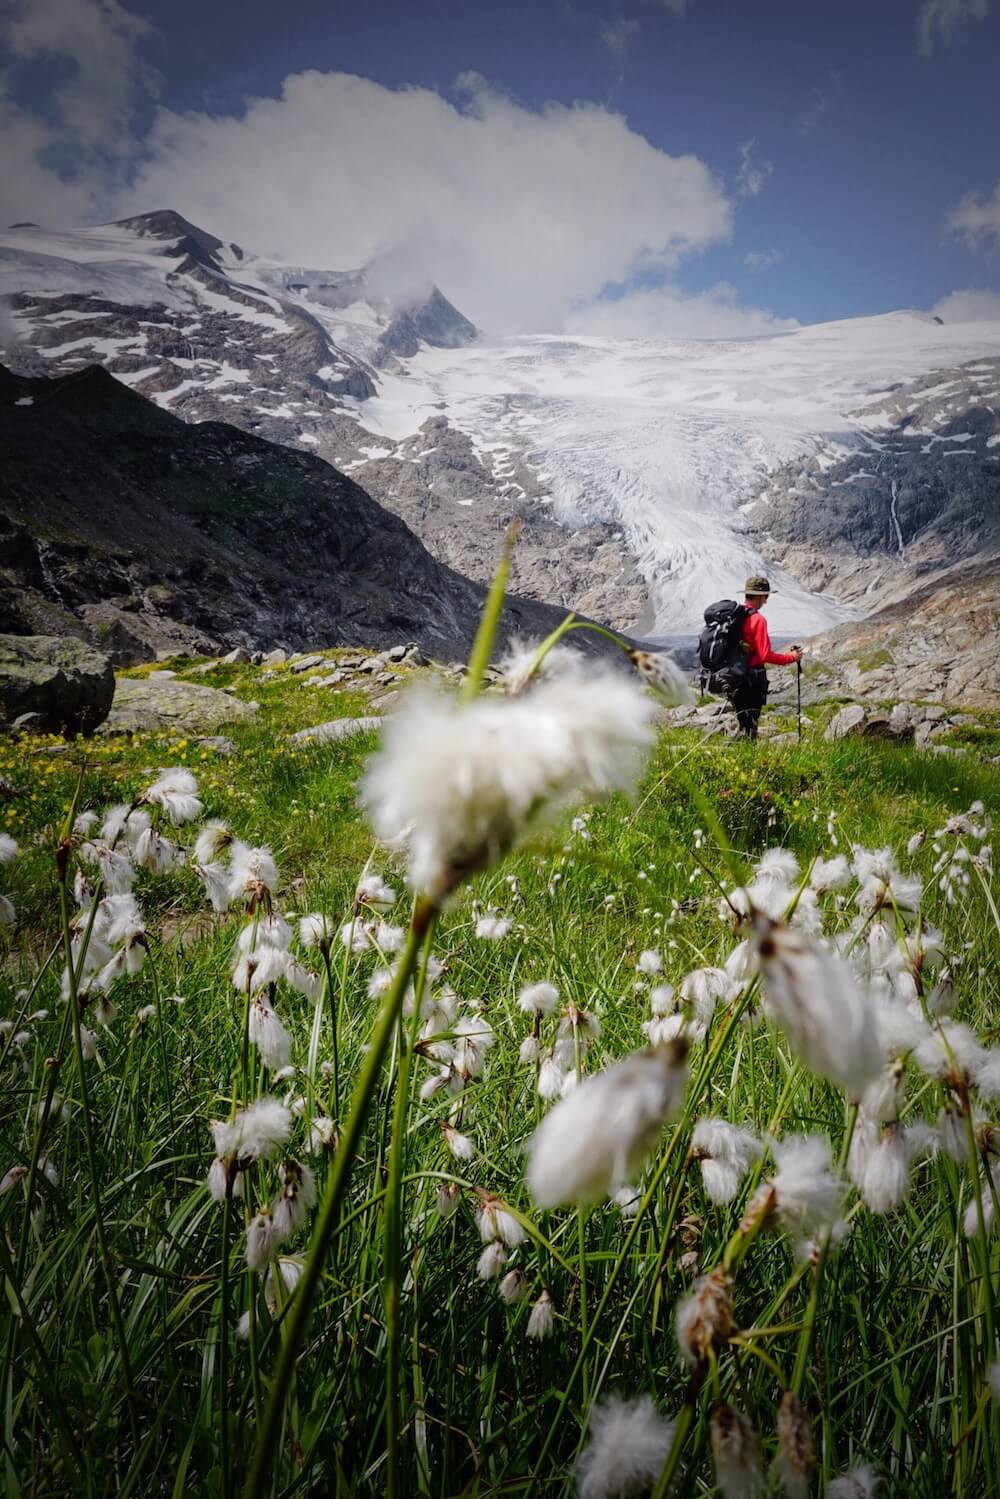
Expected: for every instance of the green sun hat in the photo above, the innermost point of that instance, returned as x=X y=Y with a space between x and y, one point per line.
x=757 y=584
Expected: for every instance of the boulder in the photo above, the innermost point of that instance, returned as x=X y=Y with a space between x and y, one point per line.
x=276 y=657
x=142 y=706
x=337 y=728
x=307 y=663
x=68 y=683
x=236 y=657
x=849 y=720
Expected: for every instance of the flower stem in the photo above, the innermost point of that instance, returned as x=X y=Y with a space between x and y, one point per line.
x=329 y=1212
x=393 y=1247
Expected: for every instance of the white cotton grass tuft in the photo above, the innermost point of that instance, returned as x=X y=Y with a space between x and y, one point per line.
x=629 y=1443
x=807 y=1191
x=736 y=1450
x=316 y=930
x=542 y=1318
x=725 y=1154
x=601 y=1132
x=816 y=1000
x=860 y=1482
x=856 y=1483
x=374 y=892
x=456 y=784
x=492 y=927
x=538 y=999
x=8 y=848
x=266 y=1032
x=252 y=872
x=667 y=679
x=491 y=1261
x=513 y=1287
x=175 y=791
x=495 y=1221
x=254 y=1132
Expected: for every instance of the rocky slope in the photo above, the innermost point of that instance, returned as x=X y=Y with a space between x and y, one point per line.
x=142 y=533
x=211 y=332
x=939 y=643
x=873 y=523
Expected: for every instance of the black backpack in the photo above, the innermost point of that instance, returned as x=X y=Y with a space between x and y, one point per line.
x=720 y=648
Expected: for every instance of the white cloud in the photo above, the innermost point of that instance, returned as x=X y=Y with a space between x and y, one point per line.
x=96 y=103
x=761 y=260
x=665 y=312
x=976 y=220
x=969 y=306
x=517 y=213
x=754 y=171
x=942 y=18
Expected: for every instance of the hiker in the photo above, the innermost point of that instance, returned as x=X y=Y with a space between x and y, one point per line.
x=751 y=695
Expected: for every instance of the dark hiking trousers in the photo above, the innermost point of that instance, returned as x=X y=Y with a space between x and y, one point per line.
x=749 y=699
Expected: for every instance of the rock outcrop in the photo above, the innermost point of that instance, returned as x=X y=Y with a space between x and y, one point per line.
x=62 y=682
x=145 y=534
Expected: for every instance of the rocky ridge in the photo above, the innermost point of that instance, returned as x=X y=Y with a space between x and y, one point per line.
x=147 y=535
x=871 y=523
x=211 y=333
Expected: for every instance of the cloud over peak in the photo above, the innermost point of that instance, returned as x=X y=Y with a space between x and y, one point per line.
x=520 y=212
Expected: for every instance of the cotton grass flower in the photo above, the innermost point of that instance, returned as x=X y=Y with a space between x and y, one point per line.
x=460 y=1145
x=815 y=998
x=493 y=928
x=295 y=1199
x=538 y=999
x=495 y=1221
x=806 y=1191
x=266 y=1032
x=629 y=1443
x=725 y=1154
x=176 y=792
x=736 y=1451
x=374 y=892
x=542 y=1318
x=513 y=1287
x=857 y=1483
x=491 y=1261
x=263 y=1242
x=456 y=784
x=8 y=848
x=796 y=1450
x=597 y=1136
x=254 y=1132
x=704 y=1320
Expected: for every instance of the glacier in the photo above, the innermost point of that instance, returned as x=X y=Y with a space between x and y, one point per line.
x=671 y=440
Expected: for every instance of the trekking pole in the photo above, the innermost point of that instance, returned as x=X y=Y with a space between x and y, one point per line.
x=798 y=693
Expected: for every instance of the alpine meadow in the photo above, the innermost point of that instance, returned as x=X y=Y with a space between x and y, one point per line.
x=646 y=1145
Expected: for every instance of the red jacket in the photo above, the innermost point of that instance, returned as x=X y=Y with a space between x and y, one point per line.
x=756 y=637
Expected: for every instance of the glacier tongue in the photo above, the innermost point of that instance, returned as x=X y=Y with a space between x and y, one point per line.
x=669 y=440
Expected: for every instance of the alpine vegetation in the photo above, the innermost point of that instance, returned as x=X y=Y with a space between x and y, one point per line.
x=615 y=1124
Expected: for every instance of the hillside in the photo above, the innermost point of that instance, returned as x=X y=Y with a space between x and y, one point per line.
x=146 y=533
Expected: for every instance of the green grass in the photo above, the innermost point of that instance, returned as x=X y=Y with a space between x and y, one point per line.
x=895 y=1371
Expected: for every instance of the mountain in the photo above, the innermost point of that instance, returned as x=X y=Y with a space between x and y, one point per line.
x=922 y=493
x=652 y=477
x=141 y=532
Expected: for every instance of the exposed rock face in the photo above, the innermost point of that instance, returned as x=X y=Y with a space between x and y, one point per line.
x=212 y=333
x=125 y=525
x=168 y=703
x=871 y=524
x=64 y=683
x=940 y=644
x=453 y=499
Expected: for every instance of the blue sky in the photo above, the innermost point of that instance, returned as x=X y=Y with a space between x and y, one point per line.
x=869 y=136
